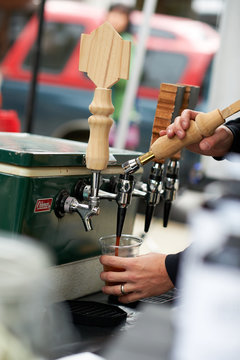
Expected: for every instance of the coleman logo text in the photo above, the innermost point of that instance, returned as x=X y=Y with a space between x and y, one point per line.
x=43 y=205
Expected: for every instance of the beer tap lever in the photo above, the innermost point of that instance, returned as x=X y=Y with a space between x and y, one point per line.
x=105 y=57
x=104 y=70
x=203 y=126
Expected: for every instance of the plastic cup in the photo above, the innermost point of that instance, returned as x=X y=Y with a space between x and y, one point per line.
x=129 y=246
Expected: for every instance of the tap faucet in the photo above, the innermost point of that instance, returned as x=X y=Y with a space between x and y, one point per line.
x=86 y=210
x=171 y=184
x=121 y=191
x=154 y=192
x=124 y=196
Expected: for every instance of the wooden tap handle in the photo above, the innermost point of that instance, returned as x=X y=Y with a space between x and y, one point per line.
x=167 y=107
x=97 y=155
x=105 y=57
x=190 y=98
x=204 y=125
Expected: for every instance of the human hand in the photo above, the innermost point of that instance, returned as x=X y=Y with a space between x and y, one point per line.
x=216 y=145
x=142 y=276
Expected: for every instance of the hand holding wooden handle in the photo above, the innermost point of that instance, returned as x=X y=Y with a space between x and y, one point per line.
x=105 y=56
x=204 y=125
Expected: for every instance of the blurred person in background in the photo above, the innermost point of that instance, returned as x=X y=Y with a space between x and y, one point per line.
x=119 y=17
x=155 y=273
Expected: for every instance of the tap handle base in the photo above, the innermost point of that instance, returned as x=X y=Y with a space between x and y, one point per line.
x=59 y=203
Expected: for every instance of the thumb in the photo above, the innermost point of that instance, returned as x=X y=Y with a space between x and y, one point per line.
x=210 y=142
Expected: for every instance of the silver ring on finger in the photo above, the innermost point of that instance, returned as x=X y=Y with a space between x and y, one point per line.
x=122 y=289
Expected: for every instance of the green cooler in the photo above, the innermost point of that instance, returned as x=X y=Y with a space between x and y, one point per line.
x=34 y=170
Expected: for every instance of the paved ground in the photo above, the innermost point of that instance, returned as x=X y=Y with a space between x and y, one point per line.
x=168 y=240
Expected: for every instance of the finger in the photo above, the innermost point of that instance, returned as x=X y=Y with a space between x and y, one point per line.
x=210 y=142
x=114 y=261
x=162 y=132
x=185 y=119
x=134 y=296
x=176 y=128
x=114 y=276
x=188 y=115
x=170 y=131
x=112 y=290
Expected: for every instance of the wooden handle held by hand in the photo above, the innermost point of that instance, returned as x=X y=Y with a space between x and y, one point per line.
x=204 y=125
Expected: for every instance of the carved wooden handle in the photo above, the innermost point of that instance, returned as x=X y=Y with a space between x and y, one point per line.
x=97 y=155
x=105 y=56
x=204 y=125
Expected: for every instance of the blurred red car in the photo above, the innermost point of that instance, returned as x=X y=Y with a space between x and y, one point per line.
x=179 y=50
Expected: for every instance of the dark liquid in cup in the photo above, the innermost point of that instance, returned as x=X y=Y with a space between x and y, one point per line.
x=111 y=268
x=117 y=244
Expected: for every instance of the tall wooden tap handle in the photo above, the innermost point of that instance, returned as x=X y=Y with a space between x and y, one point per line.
x=97 y=154
x=105 y=56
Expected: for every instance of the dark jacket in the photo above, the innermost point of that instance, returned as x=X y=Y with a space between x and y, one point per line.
x=173 y=260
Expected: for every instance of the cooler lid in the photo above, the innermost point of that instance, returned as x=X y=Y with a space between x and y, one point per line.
x=30 y=150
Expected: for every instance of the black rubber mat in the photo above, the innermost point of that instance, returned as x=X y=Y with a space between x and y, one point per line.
x=93 y=313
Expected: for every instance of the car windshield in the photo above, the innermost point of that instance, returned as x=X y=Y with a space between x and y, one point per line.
x=160 y=66
x=58 y=42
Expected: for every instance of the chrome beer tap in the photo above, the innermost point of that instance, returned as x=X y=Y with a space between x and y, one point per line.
x=124 y=195
x=85 y=208
x=101 y=57
x=153 y=193
x=170 y=187
x=124 y=188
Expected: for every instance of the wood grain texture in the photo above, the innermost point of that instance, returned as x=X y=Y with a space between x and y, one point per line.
x=165 y=108
x=104 y=56
x=189 y=101
x=204 y=125
x=164 y=147
x=169 y=101
x=231 y=109
x=207 y=123
x=97 y=154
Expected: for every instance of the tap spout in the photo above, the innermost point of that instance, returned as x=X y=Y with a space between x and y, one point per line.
x=84 y=211
x=154 y=192
x=124 y=196
x=171 y=184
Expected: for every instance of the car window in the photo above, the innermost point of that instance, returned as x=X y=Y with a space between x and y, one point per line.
x=162 y=67
x=159 y=33
x=58 y=42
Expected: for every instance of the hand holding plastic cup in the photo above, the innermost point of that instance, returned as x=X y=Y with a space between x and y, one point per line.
x=129 y=246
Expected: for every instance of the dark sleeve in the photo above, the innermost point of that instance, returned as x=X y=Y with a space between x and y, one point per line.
x=234 y=126
x=172 y=265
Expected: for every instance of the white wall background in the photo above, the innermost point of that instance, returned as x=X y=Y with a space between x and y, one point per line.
x=225 y=83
